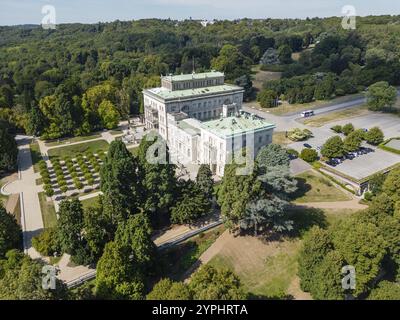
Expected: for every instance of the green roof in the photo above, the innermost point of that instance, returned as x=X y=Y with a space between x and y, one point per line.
x=165 y=94
x=194 y=76
x=230 y=126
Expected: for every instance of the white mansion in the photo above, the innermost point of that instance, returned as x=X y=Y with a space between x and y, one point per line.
x=200 y=118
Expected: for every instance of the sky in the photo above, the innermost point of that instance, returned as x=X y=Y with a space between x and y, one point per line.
x=14 y=12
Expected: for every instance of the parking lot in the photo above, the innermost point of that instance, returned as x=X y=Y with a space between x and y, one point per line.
x=367 y=164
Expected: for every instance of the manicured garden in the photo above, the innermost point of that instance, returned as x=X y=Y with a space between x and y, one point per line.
x=74 y=150
x=48 y=211
x=60 y=142
x=72 y=176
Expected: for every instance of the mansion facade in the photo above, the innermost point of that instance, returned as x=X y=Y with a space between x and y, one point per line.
x=200 y=118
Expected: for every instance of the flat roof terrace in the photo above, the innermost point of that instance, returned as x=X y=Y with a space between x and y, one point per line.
x=169 y=95
x=231 y=126
x=194 y=76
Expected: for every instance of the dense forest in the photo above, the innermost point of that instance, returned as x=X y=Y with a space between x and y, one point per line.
x=80 y=78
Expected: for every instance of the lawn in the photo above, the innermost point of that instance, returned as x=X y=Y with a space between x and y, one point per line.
x=261 y=76
x=36 y=156
x=66 y=141
x=177 y=260
x=268 y=269
x=285 y=107
x=279 y=137
x=89 y=202
x=48 y=211
x=73 y=150
x=314 y=187
x=319 y=121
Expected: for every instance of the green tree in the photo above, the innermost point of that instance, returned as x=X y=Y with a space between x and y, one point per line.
x=108 y=114
x=317 y=243
x=272 y=155
x=234 y=192
x=352 y=142
x=192 y=204
x=375 y=184
x=8 y=151
x=134 y=236
x=36 y=122
x=166 y=289
x=309 y=155
x=381 y=95
x=70 y=225
x=21 y=279
x=347 y=129
x=267 y=98
x=97 y=230
x=391 y=186
x=285 y=54
x=158 y=181
x=119 y=183
x=361 y=245
x=325 y=89
x=374 y=136
x=232 y=62
x=46 y=242
x=204 y=180
x=10 y=232
x=327 y=284
x=116 y=275
x=386 y=290
x=210 y=283
x=333 y=148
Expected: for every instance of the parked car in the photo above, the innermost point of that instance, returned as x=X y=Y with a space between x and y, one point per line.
x=307 y=145
x=350 y=156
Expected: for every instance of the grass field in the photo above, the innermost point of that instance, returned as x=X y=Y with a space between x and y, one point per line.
x=36 y=156
x=71 y=140
x=89 y=202
x=74 y=150
x=319 y=121
x=279 y=137
x=316 y=188
x=268 y=269
x=260 y=76
x=285 y=107
x=48 y=212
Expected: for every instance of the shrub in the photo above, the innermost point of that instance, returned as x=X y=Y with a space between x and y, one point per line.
x=46 y=242
x=64 y=188
x=309 y=155
x=374 y=136
x=293 y=153
x=78 y=184
x=347 y=129
x=368 y=196
x=337 y=129
x=48 y=190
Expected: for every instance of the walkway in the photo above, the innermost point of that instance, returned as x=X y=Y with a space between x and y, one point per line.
x=31 y=216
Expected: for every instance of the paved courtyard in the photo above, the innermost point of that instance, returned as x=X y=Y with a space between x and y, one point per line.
x=368 y=164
